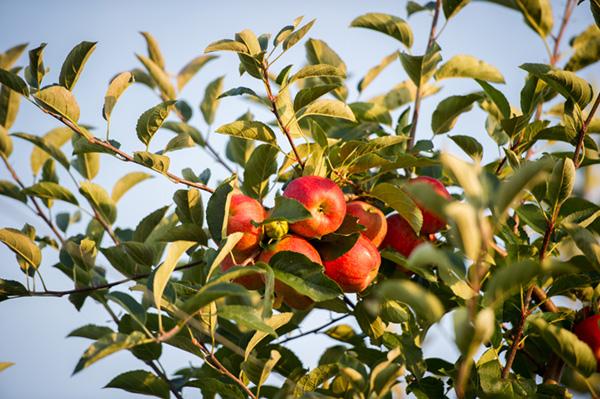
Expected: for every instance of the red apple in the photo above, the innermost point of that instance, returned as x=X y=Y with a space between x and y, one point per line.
x=400 y=236
x=370 y=217
x=588 y=331
x=323 y=199
x=242 y=211
x=432 y=223
x=250 y=281
x=356 y=269
x=295 y=244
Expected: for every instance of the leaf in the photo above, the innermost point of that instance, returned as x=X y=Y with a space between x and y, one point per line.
x=210 y=102
x=259 y=168
x=375 y=71
x=9 y=107
x=569 y=85
x=311 y=381
x=135 y=309
x=497 y=97
x=369 y=112
x=35 y=72
x=469 y=145
x=174 y=251
x=74 y=63
x=10 y=56
x=565 y=344
x=452 y=7
x=467 y=224
x=91 y=331
x=304 y=276
x=586 y=49
x=116 y=88
x=126 y=182
x=425 y=304
x=274 y=322
x=159 y=76
x=297 y=35
x=159 y=163
x=191 y=69
x=247 y=316
x=14 y=82
x=508 y=281
x=537 y=14
x=396 y=198
x=421 y=68
x=5 y=365
x=387 y=24
x=217 y=211
x=319 y=52
x=21 y=245
x=50 y=190
x=249 y=130
x=108 y=345
x=239 y=91
x=466 y=66
x=148 y=224
x=448 y=110
x=58 y=100
x=327 y=107
x=99 y=200
x=586 y=242
x=227 y=245
x=227 y=45
x=595 y=8
x=141 y=382
x=151 y=120
x=318 y=71
x=45 y=146
x=154 y=50
x=211 y=292
x=288 y=209
x=561 y=183
x=11 y=190
x=309 y=94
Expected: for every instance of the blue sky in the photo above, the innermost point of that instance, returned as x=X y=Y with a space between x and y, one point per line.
x=33 y=329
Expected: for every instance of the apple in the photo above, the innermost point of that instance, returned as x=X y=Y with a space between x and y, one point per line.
x=250 y=281
x=276 y=229
x=371 y=217
x=400 y=236
x=588 y=330
x=432 y=223
x=323 y=199
x=355 y=269
x=295 y=244
x=243 y=210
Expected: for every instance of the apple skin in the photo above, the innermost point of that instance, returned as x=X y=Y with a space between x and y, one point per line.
x=294 y=244
x=588 y=331
x=400 y=236
x=371 y=217
x=356 y=269
x=250 y=281
x=242 y=211
x=432 y=223
x=323 y=199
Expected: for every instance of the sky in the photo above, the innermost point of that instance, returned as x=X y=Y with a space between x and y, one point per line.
x=34 y=329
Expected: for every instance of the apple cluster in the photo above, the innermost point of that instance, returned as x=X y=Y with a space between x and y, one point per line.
x=354 y=270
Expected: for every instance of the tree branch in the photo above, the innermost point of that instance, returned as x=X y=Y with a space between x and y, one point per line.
x=314 y=330
x=583 y=132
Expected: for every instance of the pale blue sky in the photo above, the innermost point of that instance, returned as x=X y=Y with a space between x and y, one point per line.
x=33 y=330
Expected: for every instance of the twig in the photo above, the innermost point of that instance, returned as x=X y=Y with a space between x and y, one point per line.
x=518 y=335
x=349 y=302
x=314 y=330
x=417 y=106
x=583 y=131
x=162 y=375
x=275 y=111
x=561 y=30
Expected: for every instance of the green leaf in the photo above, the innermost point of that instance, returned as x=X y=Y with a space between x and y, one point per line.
x=246 y=316
x=240 y=91
x=319 y=52
x=164 y=271
x=396 y=198
x=569 y=85
x=191 y=69
x=469 y=145
x=10 y=288
x=74 y=63
x=509 y=280
x=99 y=200
x=297 y=35
x=421 y=68
x=154 y=50
x=45 y=147
x=9 y=189
x=108 y=345
x=10 y=56
x=227 y=45
x=452 y=7
x=189 y=206
x=210 y=102
x=151 y=120
x=466 y=223
x=595 y=8
x=318 y=71
x=586 y=242
x=135 y=309
x=466 y=66
x=327 y=107
x=141 y=382
x=21 y=245
x=274 y=322
x=448 y=110
x=311 y=381
x=159 y=163
x=425 y=304
x=249 y=130
x=217 y=211
x=310 y=94
x=91 y=331
x=369 y=112
x=51 y=190
x=116 y=88
x=537 y=14
x=304 y=276
x=565 y=344
x=586 y=49
x=9 y=107
x=497 y=97
x=387 y=24
x=259 y=168
x=58 y=100
x=126 y=182
x=561 y=183
x=148 y=224
x=35 y=72
x=14 y=82
x=211 y=292
x=288 y=209
x=159 y=76
x=376 y=70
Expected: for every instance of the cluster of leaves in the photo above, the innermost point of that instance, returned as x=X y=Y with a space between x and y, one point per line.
x=520 y=232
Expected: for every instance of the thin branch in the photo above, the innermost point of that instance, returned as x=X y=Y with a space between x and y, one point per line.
x=417 y=105
x=314 y=330
x=162 y=375
x=583 y=132
x=518 y=335
x=561 y=30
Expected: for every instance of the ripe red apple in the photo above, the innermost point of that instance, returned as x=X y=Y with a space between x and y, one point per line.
x=323 y=199
x=356 y=269
x=371 y=217
x=242 y=211
x=295 y=244
x=400 y=236
x=588 y=330
x=432 y=223
x=250 y=281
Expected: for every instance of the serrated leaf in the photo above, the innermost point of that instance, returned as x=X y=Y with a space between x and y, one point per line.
x=126 y=182
x=249 y=130
x=151 y=120
x=174 y=251
x=74 y=64
x=116 y=88
x=21 y=245
x=141 y=382
x=387 y=24
x=14 y=82
x=50 y=190
x=448 y=110
x=318 y=71
x=466 y=66
x=227 y=45
x=327 y=107
x=569 y=85
x=108 y=345
x=259 y=168
x=210 y=102
x=159 y=163
x=396 y=198
x=159 y=76
x=58 y=100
